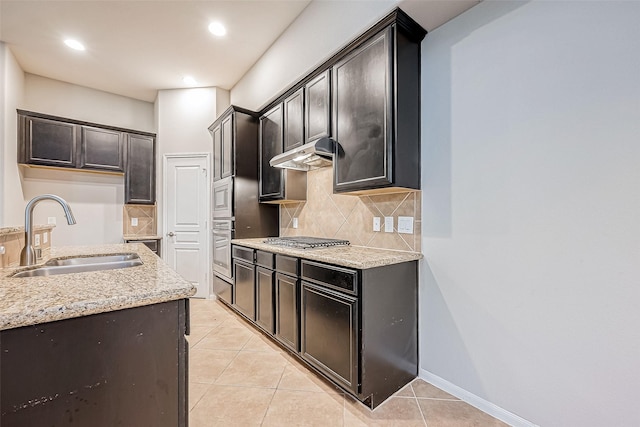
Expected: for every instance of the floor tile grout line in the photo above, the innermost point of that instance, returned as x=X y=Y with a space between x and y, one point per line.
x=415 y=396
x=274 y=395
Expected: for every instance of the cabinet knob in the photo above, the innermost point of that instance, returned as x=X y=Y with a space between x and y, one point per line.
x=170 y=234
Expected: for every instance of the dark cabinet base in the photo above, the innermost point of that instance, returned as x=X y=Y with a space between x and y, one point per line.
x=126 y=367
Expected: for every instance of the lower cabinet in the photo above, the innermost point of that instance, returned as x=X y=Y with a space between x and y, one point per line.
x=265 y=291
x=329 y=333
x=356 y=327
x=287 y=311
x=245 y=290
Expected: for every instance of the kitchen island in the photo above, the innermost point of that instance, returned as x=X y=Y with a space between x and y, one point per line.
x=350 y=313
x=97 y=348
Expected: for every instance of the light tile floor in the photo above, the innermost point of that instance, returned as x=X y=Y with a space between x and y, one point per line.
x=238 y=377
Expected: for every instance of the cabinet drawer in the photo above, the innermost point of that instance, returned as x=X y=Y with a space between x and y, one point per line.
x=287 y=264
x=331 y=276
x=240 y=252
x=265 y=259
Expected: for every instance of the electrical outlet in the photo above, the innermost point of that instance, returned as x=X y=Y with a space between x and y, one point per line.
x=51 y=220
x=405 y=224
x=36 y=240
x=376 y=223
x=388 y=224
x=134 y=222
x=295 y=222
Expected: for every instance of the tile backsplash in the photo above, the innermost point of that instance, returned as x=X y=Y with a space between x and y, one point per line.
x=146 y=217
x=12 y=240
x=325 y=214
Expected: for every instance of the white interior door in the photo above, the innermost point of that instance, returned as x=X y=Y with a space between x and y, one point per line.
x=186 y=206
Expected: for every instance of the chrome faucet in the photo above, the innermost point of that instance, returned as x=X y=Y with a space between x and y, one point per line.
x=28 y=254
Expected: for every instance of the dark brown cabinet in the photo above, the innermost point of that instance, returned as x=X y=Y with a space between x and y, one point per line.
x=271 y=143
x=102 y=149
x=265 y=290
x=216 y=134
x=317 y=111
x=245 y=292
x=140 y=172
x=329 y=333
x=46 y=142
x=376 y=114
x=287 y=311
x=294 y=120
x=226 y=162
x=347 y=324
x=124 y=367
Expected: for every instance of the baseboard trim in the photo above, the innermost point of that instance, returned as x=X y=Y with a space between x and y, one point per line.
x=475 y=401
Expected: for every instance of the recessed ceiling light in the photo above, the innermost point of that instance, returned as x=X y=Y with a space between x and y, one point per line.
x=74 y=44
x=217 y=29
x=189 y=80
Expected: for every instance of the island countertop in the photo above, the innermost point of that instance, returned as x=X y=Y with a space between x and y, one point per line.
x=360 y=257
x=33 y=300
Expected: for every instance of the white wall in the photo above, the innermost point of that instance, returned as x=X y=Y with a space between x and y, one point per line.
x=96 y=199
x=531 y=209
x=320 y=30
x=183 y=117
x=12 y=84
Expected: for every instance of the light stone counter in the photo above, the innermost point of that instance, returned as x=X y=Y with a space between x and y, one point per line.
x=34 y=300
x=359 y=257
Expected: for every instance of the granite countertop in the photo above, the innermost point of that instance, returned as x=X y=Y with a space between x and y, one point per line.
x=34 y=300
x=20 y=229
x=142 y=237
x=359 y=257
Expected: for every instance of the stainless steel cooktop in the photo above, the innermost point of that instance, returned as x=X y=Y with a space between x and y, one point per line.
x=303 y=242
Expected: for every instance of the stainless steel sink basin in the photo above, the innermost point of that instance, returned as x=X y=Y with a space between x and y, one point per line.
x=93 y=259
x=83 y=264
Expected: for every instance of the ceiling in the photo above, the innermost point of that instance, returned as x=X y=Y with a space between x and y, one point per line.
x=135 y=48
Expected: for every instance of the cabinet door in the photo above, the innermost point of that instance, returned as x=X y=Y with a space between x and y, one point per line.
x=140 y=174
x=271 y=179
x=216 y=134
x=363 y=118
x=317 y=110
x=287 y=311
x=50 y=143
x=101 y=149
x=264 y=298
x=294 y=120
x=329 y=333
x=245 y=289
x=226 y=168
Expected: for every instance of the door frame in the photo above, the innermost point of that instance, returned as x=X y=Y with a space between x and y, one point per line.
x=165 y=247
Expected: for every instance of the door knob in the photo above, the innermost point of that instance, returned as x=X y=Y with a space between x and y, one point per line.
x=170 y=234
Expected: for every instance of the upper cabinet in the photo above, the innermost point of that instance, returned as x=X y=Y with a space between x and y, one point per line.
x=140 y=174
x=101 y=149
x=235 y=144
x=376 y=114
x=278 y=185
x=317 y=107
x=294 y=120
x=45 y=140
x=367 y=98
x=271 y=143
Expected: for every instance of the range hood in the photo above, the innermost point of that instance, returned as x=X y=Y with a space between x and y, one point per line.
x=314 y=155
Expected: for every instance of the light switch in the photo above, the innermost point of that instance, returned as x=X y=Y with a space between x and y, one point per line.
x=51 y=220
x=45 y=237
x=295 y=222
x=388 y=224
x=134 y=222
x=36 y=240
x=405 y=224
x=376 y=223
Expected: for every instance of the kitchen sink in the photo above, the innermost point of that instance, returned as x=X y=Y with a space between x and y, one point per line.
x=83 y=264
